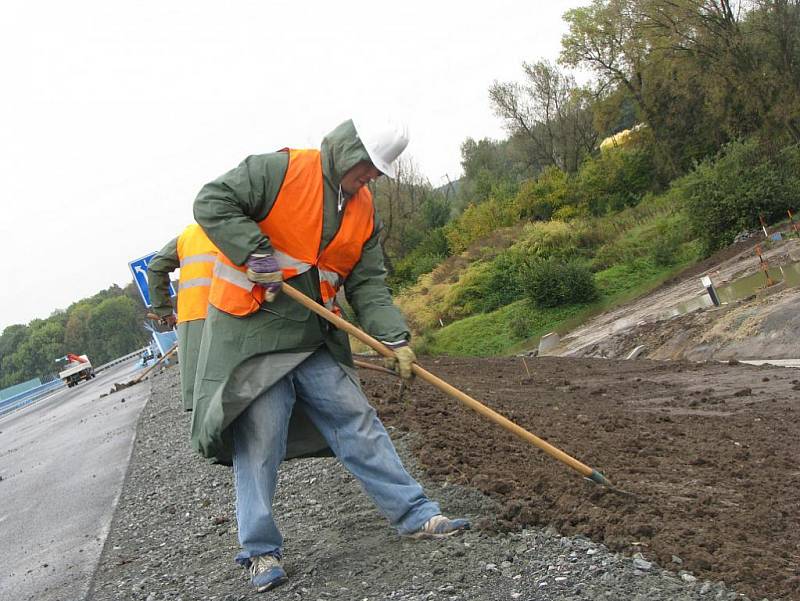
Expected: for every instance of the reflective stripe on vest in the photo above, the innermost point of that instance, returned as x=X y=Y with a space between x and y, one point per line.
x=328 y=287
x=226 y=271
x=197 y=255
x=204 y=258
x=184 y=284
x=294 y=228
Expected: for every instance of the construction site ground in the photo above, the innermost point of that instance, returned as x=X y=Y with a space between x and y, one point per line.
x=709 y=449
x=760 y=324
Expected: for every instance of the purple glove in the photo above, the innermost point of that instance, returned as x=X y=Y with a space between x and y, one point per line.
x=264 y=270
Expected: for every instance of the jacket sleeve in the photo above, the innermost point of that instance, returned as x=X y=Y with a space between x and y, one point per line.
x=370 y=298
x=229 y=208
x=158 y=270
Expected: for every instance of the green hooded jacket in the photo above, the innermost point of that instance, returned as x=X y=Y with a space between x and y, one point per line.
x=158 y=269
x=241 y=357
x=189 y=332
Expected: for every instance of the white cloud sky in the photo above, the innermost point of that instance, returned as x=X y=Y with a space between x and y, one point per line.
x=113 y=115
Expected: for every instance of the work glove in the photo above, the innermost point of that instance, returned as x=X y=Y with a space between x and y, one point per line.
x=263 y=269
x=402 y=360
x=169 y=320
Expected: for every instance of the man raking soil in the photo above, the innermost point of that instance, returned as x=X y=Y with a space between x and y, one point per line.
x=273 y=380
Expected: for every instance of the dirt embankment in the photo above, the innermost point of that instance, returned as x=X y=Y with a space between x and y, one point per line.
x=710 y=450
x=761 y=325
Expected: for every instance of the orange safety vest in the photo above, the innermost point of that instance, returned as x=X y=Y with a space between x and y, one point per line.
x=197 y=255
x=294 y=228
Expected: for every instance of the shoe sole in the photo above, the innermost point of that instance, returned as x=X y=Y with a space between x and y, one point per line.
x=272 y=585
x=430 y=536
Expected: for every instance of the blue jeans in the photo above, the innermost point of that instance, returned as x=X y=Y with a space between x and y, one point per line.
x=342 y=414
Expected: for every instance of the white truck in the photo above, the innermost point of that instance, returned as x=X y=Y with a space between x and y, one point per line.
x=76 y=368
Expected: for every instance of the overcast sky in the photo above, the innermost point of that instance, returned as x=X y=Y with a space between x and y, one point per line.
x=113 y=115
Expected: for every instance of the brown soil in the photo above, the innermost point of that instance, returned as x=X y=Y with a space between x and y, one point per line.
x=711 y=451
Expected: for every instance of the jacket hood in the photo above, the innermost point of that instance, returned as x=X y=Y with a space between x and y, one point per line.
x=341 y=150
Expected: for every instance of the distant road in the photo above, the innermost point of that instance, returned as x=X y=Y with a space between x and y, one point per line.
x=62 y=463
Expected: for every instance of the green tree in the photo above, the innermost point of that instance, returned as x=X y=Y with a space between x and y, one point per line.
x=12 y=338
x=77 y=334
x=409 y=207
x=103 y=326
x=115 y=329
x=491 y=167
x=539 y=198
x=550 y=112
x=36 y=354
x=726 y=195
x=665 y=58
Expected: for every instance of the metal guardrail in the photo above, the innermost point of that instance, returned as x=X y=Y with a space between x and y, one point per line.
x=29 y=396
x=122 y=359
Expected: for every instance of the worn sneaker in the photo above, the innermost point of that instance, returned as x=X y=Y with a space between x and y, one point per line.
x=440 y=527
x=266 y=572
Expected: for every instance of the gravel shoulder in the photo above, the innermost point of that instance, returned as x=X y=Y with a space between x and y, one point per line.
x=174 y=535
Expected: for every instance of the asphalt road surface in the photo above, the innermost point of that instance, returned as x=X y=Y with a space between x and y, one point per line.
x=62 y=463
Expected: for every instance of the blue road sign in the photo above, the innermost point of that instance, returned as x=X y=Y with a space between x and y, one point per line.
x=139 y=270
x=165 y=340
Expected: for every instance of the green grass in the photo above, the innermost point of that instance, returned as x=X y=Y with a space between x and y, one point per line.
x=519 y=326
x=494 y=333
x=619 y=279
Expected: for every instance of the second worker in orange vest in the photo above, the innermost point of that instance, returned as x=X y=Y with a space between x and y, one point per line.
x=274 y=380
x=194 y=254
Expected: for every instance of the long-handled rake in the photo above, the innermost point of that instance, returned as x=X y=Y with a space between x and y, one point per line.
x=589 y=473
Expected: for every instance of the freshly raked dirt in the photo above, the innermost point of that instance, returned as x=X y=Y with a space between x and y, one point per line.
x=711 y=450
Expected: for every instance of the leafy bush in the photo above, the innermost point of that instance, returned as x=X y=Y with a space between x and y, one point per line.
x=478 y=221
x=726 y=195
x=569 y=213
x=435 y=212
x=408 y=270
x=555 y=283
x=431 y=251
x=551 y=239
x=670 y=235
x=538 y=199
x=487 y=286
x=614 y=180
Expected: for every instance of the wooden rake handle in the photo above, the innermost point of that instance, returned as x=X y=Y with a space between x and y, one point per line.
x=166 y=355
x=423 y=374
